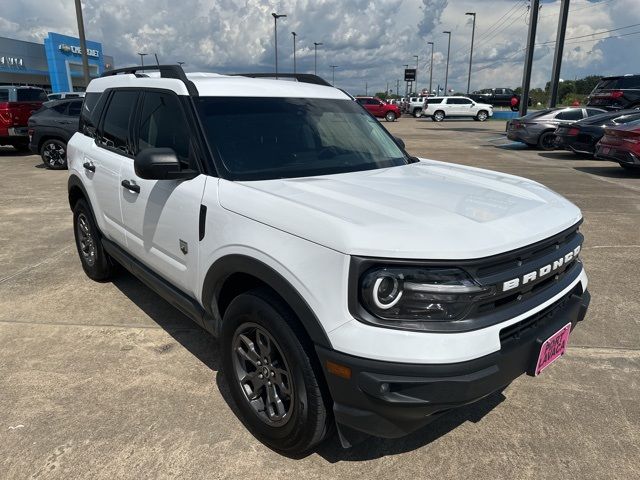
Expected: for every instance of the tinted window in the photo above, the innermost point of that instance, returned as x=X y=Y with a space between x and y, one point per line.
x=631 y=81
x=71 y=95
x=458 y=101
x=31 y=95
x=115 y=126
x=433 y=101
x=508 y=91
x=4 y=94
x=163 y=125
x=59 y=107
x=361 y=101
x=266 y=138
x=54 y=96
x=593 y=111
x=575 y=114
x=74 y=109
x=633 y=117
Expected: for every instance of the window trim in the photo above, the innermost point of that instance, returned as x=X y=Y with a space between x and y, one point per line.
x=103 y=114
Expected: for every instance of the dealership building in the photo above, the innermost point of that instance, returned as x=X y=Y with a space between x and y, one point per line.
x=55 y=65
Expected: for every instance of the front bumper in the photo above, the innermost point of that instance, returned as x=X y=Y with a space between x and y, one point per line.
x=388 y=399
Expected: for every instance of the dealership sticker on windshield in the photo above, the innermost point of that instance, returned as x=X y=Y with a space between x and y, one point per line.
x=553 y=348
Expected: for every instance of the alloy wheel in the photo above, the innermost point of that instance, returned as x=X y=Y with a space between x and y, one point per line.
x=85 y=240
x=54 y=154
x=263 y=374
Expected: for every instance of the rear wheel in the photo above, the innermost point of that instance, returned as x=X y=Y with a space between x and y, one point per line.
x=482 y=115
x=54 y=154
x=273 y=374
x=390 y=116
x=546 y=141
x=438 y=116
x=96 y=263
x=417 y=112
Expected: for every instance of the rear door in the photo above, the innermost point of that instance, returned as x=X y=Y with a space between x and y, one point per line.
x=161 y=217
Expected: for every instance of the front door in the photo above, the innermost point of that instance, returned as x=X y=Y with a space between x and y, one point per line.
x=161 y=217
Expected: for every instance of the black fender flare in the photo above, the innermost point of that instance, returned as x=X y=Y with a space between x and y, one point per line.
x=226 y=266
x=75 y=182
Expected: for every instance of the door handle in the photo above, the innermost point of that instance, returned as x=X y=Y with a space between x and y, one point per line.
x=89 y=166
x=130 y=186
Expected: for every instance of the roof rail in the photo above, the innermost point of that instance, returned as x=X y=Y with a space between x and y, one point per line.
x=301 y=77
x=166 y=71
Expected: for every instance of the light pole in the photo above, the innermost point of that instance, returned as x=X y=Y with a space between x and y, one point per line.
x=333 y=74
x=83 y=45
x=406 y=83
x=431 y=69
x=294 y=34
x=473 y=34
x=142 y=55
x=315 y=57
x=446 y=74
x=416 y=79
x=275 y=32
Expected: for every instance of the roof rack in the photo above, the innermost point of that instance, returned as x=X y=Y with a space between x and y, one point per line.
x=301 y=77
x=166 y=71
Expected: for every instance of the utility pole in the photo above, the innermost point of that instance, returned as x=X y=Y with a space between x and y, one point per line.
x=473 y=34
x=83 y=45
x=531 y=40
x=446 y=74
x=315 y=57
x=387 y=90
x=366 y=89
x=142 y=55
x=157 y=61
x=333 y=74
x=294 y=50
x=431 y=70
x=406 y=83
x=557 y=58
x=416 y=80
x=397 y=87
x=275 y=32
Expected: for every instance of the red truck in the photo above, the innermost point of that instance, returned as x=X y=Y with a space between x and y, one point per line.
x=379 y=108
x=16 y=106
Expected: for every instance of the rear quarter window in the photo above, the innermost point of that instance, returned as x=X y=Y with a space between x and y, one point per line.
x=91 y=110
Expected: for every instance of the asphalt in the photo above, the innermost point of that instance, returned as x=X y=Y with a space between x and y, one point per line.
x=106 y=380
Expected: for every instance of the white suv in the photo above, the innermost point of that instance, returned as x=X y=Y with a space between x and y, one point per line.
x=349 y=283
x=439 y=108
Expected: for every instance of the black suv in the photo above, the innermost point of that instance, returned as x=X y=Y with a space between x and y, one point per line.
x=616 y=93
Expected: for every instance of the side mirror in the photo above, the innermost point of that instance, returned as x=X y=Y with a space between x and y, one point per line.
x=399 y=142
x=159 y=164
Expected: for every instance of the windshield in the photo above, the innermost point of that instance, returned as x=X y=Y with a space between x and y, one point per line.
x=266 y=138
x=630 y=81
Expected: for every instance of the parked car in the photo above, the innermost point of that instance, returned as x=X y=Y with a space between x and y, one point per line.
x=538 y=127
x=65 y=95
x=621 y=144
x=16 y=106
x=51 y=127
x=379 y=108
x=280 y=224
x=582 y=136
x=616 y=93
x=439 y=108
x=498 y=97
x=416 y=106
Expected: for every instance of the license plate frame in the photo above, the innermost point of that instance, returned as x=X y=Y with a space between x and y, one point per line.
x=552 y=348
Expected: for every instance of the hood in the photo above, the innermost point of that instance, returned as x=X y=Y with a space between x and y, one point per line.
x=426 y=210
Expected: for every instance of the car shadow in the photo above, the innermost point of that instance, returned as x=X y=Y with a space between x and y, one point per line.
x=613 y=171
x=206 y=349
x=565 y=155
x=12 y=152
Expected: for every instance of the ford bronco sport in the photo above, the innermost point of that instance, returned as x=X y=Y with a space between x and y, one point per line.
x=350 y=284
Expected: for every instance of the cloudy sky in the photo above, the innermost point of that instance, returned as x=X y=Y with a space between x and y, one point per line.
x=369 y=40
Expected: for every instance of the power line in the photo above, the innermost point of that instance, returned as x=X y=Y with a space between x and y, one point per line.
x=592 y=34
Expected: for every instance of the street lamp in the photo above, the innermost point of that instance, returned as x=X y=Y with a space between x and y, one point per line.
x=416 y=78
x=294 y=34
x=275 y=31
x=431 y=70
x=315 y=56
x=333 y=74
x=473 y=34
x=406 y=83
x=142 y=55
x=446 y=75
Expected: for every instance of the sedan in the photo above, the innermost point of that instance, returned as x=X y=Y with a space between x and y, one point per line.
x=582 y=136
x=621 y=144
x=538 y=127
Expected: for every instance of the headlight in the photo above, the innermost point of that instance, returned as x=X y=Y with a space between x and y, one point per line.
x=419 y=293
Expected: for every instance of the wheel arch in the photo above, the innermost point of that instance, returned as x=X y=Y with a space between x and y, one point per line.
x=50 y=136
x=234 y=274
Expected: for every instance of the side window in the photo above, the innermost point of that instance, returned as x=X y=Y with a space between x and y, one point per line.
x=464 y=101
x=115 y=126
x=74 y=109
x=163 y=125
x=508 y=91
x=59 y=108
x=592 y=112
x=574 y=114
x=361 y=101
x=4 y=94
x=91 y=110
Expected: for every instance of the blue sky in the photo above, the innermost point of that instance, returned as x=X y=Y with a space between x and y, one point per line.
x=370 y=40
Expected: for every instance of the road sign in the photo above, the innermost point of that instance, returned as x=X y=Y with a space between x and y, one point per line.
x=409 y=74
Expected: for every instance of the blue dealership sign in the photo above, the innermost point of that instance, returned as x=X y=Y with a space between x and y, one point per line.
x=64 y=58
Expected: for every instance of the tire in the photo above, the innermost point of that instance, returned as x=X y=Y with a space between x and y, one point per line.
x=54 y=154
x=515 y=108
x=482 y=115
x=417 y=112
x=438 y=116
x=258 y=325
x=545 y=141
x=390 y=116
x=96 y=263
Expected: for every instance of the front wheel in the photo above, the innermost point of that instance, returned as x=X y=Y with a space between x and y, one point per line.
x=438 y=116
x=273 y=374
x=417 y=113
x=54 y=154
x=390 y=116
x=482 y=116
